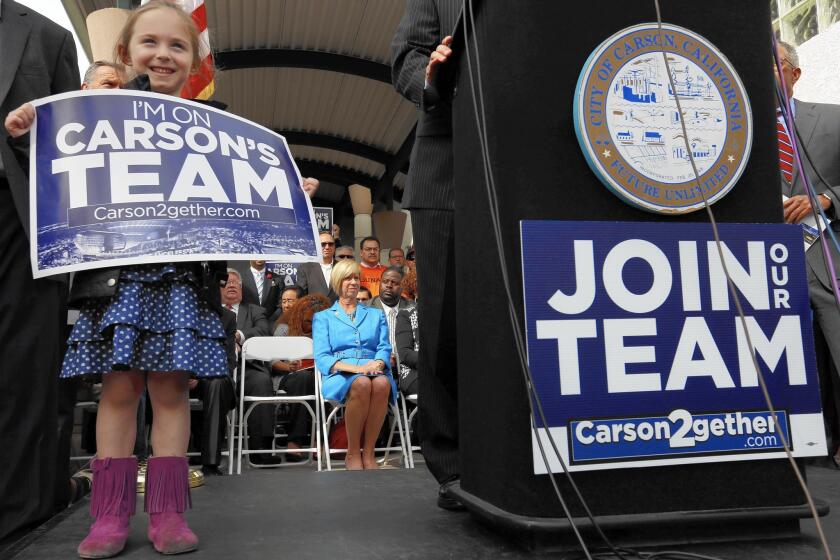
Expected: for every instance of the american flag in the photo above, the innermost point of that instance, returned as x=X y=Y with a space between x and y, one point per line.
x=201 y=84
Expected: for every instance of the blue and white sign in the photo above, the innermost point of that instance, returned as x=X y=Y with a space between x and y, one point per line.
x=639 y=355
x=129 y=177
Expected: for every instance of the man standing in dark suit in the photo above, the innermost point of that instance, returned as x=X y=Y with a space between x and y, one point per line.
x=419 y=48
x=250 y=322
x=259 y=285
x=38 y=59
x=818 y=127
x=314 y=278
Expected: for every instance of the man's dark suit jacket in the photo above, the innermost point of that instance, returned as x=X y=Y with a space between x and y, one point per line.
x=37 y=59
x=425 y=24
x=818 y=125
x=310 y=279
x=251 y=320
x=272 y=288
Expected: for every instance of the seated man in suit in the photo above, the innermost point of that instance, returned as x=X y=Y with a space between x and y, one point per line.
x=390 y=301
x=218 y=397
x=314 y=278
x=259 y=285
x=251 y=321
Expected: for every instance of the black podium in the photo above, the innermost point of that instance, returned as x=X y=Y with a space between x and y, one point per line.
x=531 y=56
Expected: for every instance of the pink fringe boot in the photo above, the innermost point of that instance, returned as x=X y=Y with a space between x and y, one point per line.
x=167 y=498
x=113 y=499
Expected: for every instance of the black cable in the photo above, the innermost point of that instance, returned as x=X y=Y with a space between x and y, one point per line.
x=500 y=251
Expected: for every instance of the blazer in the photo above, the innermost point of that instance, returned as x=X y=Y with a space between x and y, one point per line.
x=422 y=28
x=818 y=124
x=310 y=279
x=46 y=66
x=272 y=288
x=337 y=338
x=251 y=320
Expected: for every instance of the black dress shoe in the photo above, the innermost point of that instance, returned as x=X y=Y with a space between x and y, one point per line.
x=212 y=470
x=445 y=500
x=265 y=459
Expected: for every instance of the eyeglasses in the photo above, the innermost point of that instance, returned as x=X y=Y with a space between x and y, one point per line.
x=344 y=256
x=288 y=300
x=327 y=244
x=409 y=257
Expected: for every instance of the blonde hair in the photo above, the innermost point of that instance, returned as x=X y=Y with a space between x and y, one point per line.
x=341 y=271
x=124 y=38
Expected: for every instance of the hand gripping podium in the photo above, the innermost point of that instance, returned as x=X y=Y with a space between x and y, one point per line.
x=532 y=54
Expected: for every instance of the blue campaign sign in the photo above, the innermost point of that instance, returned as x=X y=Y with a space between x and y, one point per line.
x=638 y=352
x=128 y=177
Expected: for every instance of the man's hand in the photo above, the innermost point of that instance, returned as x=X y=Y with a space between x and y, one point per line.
x=439 y=56
x=798 y=207
x=19 y=121
x=192 y=384
x=310 y=186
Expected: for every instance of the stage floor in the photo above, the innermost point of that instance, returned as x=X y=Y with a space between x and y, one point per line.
x=303 y=514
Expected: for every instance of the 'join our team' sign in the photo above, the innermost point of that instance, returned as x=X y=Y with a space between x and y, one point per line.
x=638 y=352
x=129 y=177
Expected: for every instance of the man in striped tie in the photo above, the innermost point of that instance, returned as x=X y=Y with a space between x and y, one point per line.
x=817 y=138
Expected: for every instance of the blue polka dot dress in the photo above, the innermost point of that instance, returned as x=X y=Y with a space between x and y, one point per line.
x=156 y=321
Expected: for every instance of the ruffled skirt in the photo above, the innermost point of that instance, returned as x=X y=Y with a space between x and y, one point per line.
x=156 y=321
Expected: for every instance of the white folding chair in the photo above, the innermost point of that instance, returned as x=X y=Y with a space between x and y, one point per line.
x=408 y=418
x=337 y=406
x=269 y=349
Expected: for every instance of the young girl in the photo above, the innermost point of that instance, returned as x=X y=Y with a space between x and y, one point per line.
x=146 y=327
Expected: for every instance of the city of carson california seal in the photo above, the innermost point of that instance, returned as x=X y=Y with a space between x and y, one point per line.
x=629 y=129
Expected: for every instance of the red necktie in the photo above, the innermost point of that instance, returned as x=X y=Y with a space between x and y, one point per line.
x=785 y=148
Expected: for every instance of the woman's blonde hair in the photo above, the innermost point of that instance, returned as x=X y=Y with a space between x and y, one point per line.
x=342 y=270
x=124 y=38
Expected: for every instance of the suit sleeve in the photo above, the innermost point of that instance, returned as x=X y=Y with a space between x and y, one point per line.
x=66 y=70
x=322 y=347
x=417 y=35
x=303 y=279
x=383 y=345
x=259 y=325
x=404 y=338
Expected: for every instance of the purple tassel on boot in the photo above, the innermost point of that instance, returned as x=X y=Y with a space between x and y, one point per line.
x=113 y=499
x=167 y=498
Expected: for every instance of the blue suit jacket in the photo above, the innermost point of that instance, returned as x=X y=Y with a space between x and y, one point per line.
x=337 y=338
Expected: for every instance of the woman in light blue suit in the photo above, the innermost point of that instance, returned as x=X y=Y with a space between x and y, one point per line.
x=353 y=355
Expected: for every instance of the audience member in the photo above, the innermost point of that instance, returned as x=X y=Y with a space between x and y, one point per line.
x=353 y=356
x=39 y=59
x=408 y=347
x=336 y=233
x=363 y=296
x=409 y=285
x=390 y=303
x=103 y=75
x=345 y=252
x=396 y=257
x=251 y=321
x=218 y=398
x=314 y=278
x=410 y=258
x=371 y=269
x=310 y=186
x=259 y=285
x=288 y=298
x=296 y=378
